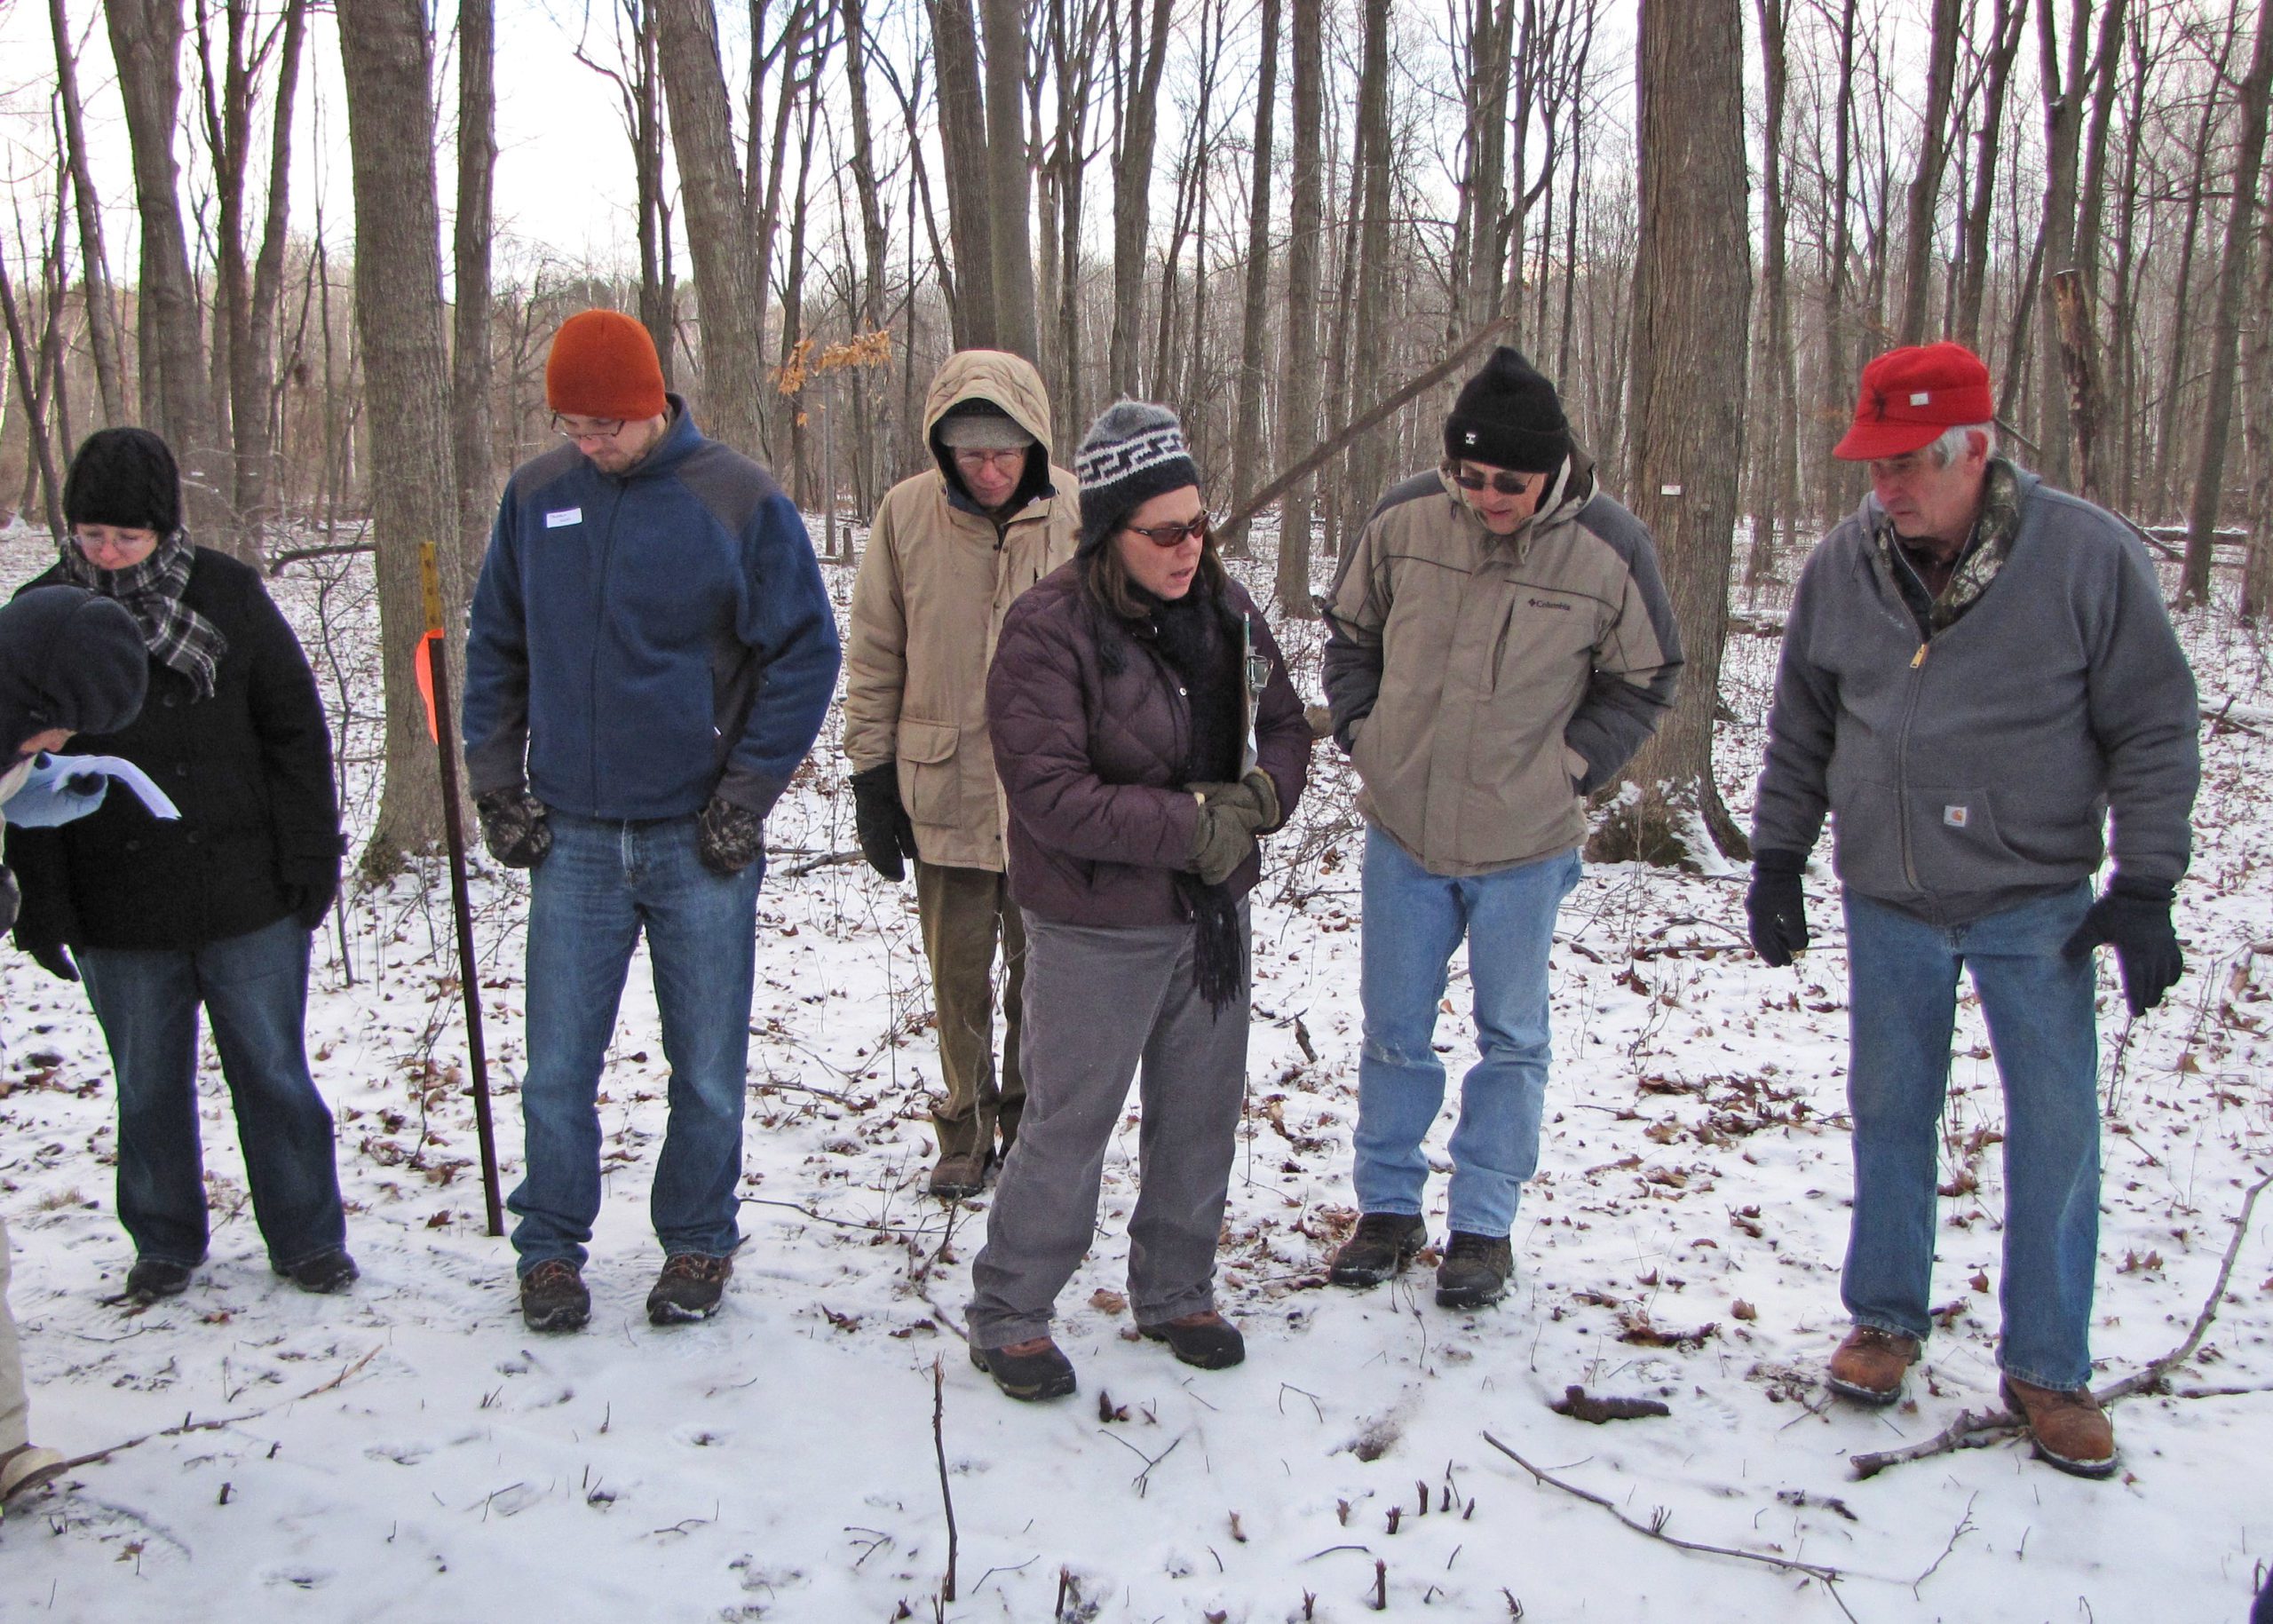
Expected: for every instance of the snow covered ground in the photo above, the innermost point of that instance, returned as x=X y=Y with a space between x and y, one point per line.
x=408 y=1451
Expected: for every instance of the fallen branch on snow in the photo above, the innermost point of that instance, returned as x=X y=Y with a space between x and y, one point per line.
x=220 y=1423
x=1977 y=1429
x=1655 y=1529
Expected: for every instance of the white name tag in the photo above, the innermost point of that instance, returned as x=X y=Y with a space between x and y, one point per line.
x=564 y=516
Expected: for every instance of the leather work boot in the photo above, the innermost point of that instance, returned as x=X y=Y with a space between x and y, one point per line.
x=958 y=1174
x=2070 y=1430
x=1206 y=1340
x=1382 y=1244
x=1475 y=1271
x=689 y=1287
x=152 y=1278
x=1028 y=1370
x=1869 y=1364
x=553 y=1297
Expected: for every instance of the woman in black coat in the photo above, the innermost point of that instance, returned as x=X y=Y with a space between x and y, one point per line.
x=214 y=908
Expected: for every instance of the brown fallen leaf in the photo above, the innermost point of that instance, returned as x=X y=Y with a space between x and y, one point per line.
x=1107 y=1301
x=1742 y=1310
x=1578 y=1404
x=1638 y=1329
x=1980 y=1282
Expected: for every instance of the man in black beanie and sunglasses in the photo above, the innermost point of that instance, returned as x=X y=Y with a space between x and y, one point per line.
x=1498 y=645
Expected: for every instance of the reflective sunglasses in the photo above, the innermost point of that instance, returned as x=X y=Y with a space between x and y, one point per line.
x=1499 y=479
x=1172 y=535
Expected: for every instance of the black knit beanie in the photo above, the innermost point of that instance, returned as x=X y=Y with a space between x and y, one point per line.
x=1132 y=453
x=127 y=478
x=1508 y=417
x=67 y=659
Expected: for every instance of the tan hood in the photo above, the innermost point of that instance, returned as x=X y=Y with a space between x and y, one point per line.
x=1009 y=381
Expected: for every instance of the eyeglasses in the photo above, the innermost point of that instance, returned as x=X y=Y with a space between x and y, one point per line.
x=1172 y=535
x=601 y=428
x=1499 y=479
x=975 y=458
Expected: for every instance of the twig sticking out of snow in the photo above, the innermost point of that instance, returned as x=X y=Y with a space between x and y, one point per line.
x=1655 y=1529
x=939 y=1448
x=1977 y=1429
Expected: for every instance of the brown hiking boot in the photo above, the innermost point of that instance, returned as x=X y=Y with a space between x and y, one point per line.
x=690 y=1287
x=959 y=1173
x=1868 y=1366
x=2070 y=1430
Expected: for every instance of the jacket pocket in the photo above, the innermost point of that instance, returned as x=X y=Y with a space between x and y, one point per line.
x=930 y=782
x=1955 y=844
x=1866 y=836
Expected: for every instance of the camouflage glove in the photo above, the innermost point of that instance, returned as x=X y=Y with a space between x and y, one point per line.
x=514 y=828
x=727 y=838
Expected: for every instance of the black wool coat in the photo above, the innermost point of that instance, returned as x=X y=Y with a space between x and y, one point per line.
x=249 y=768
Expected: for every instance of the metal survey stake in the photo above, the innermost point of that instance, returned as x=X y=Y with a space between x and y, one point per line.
x=437 y=717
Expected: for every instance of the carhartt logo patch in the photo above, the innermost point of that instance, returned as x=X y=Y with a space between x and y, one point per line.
x=1956 y=817
x=563 y=516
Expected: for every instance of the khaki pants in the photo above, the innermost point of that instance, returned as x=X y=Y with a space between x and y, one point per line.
x=962 y=912
x=14 y=1408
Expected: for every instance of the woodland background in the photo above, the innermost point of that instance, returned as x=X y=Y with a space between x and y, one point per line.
x=1277 y=215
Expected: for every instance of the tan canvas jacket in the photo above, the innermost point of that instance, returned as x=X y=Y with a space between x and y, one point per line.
x=928 y=605
x=1484 y=684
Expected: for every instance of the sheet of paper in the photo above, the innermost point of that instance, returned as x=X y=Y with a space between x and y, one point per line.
x=145 y=788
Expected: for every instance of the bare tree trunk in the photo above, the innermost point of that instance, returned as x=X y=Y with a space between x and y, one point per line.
x=41 y=453
x=2062 y=83
x=962 y=139
x=1691 y=298
x=387 y=58
x=102 y=315
x=2181 y=326
x=1009 y=184
x=2257 y=566
x=1132 y=186
x=1255 y=314
x=1926 y=187
x=2009 y=20
x=470 y=364
x=2079 y=365
x=2225 y=325
x=1838 y=379
x=1298 y=397
x=718 y=239
x=146 y=38
x=1771 y=487
x=1371 y=184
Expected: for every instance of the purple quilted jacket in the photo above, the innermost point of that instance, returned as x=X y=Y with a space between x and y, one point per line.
x=1091 y=758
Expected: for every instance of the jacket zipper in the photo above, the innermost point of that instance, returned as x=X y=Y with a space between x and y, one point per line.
x=1902 y=743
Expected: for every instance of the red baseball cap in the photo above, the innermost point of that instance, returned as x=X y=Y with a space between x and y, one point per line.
x=1910 y=395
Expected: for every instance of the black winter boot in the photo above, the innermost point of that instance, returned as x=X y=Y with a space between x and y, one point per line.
x=1384 y=1242
x=1028 y=1370
x=1206 y=1340
x=1475 y=1270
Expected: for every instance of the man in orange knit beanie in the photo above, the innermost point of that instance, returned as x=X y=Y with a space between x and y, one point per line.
x=651 y=655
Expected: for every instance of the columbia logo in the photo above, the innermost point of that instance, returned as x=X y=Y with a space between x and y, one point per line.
x=1548 y=603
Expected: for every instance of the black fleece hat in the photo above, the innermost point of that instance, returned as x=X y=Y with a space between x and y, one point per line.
x=67 y=659
x=1132 y=453
x=124 y=477
x=1508 y=415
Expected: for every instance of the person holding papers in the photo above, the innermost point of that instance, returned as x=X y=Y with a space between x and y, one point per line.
x=212 y=907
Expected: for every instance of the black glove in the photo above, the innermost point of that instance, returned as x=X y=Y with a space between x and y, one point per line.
x=514 y=828
x=1776 y=907
x=10 y=899
x=728 y=837
x=51 y=956
x=2134 y=918
x=313 y=897
x=880 y=822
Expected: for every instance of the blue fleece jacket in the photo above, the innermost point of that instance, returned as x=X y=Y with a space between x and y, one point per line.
x=643 y=641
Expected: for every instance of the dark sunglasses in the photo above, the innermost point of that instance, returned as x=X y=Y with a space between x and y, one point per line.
x=1499 y=479
x=1172 y=535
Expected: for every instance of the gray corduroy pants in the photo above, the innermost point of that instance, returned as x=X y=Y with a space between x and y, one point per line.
x=1104 y=1005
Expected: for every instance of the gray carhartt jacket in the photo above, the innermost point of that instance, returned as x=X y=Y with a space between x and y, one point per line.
x=1966 y=773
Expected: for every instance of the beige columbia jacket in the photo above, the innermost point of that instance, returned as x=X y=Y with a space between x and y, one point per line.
x=936 y=580
x=1484 y=684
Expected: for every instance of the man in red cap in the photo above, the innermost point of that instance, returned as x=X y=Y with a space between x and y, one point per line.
x=651 y=653
x=1977 y=677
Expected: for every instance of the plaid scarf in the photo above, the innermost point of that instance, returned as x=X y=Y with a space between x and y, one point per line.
x=177 y=635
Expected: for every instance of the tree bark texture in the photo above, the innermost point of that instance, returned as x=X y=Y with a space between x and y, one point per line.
x=102 y=313
x=1255 y=313
x=1692 y=299
x=1298 y=396
x=388 y=60
x=470 y=362
x=962 y=139
x=1009 y=179
x=1926 y=184
x=1132 y=186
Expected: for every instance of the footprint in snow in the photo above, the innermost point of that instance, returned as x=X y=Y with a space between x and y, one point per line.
x=299 y=1578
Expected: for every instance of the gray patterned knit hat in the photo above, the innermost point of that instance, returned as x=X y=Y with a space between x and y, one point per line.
x=1132 y=453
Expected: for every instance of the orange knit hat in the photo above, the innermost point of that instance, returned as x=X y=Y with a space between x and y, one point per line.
x=603 y=365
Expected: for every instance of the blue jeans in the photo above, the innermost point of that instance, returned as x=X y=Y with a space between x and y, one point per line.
x=1413 y=920
x=601 y=884
x=255 y=990
x=2038 y=1007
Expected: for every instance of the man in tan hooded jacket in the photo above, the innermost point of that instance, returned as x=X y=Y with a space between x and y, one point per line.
x=951 y=548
